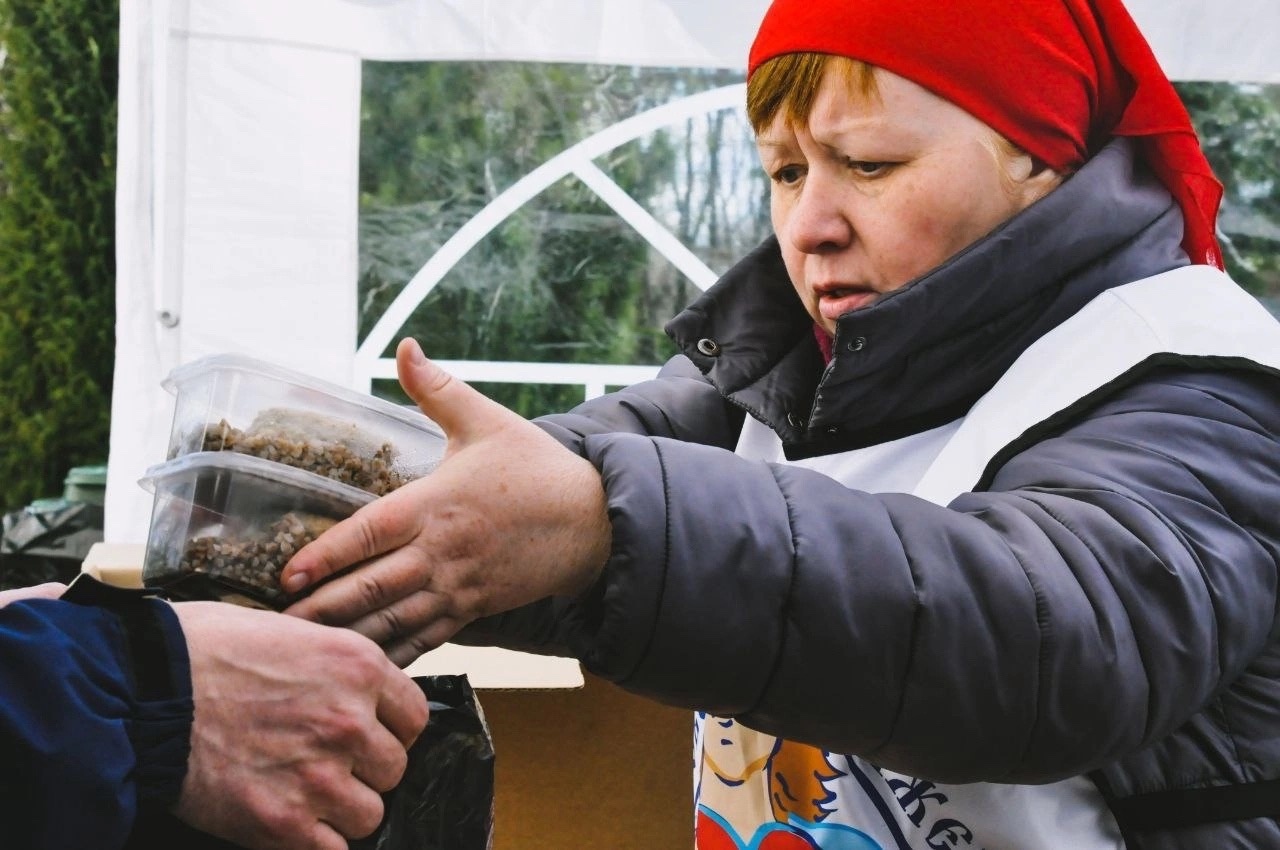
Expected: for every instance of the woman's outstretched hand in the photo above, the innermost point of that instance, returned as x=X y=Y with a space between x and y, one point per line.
x=509 y=517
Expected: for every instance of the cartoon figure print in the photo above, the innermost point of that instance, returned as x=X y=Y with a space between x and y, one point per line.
x=760 y=792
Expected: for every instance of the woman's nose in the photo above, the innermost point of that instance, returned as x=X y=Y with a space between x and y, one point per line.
x=817 y=221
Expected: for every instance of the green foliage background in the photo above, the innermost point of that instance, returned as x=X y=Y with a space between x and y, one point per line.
x=57 y=240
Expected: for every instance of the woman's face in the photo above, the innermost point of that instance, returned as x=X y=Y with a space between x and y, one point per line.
x=876 y=190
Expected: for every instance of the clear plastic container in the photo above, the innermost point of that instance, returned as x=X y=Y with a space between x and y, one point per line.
x=229 y=402
x=224 y=524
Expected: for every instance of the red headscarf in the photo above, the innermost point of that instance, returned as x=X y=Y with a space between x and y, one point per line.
x=1058 y=78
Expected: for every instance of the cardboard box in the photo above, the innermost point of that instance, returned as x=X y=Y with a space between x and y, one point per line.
x=580 y=763
x=595 y=767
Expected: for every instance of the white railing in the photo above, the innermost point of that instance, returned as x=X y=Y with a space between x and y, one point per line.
x=594 y=378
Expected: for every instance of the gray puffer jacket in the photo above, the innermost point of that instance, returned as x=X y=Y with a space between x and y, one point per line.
x=1106 y=603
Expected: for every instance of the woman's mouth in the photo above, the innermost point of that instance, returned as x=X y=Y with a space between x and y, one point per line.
x=835 y=301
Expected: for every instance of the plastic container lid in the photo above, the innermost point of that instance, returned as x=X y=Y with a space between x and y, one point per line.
x=249 y=365
x=229 y=402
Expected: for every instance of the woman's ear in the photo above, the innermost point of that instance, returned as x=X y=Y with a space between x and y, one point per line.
x=1019 y=167
x=1032 y=178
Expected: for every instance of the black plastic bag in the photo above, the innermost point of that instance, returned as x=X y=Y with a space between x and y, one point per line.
x=47 y=541
x=444 y=801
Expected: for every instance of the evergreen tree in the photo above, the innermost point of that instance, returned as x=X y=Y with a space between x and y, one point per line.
x=57 y=240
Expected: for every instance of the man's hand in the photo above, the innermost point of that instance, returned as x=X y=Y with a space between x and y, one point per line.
x=298 y=729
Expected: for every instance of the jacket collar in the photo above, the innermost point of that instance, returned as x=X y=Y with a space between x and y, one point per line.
x=923 y=354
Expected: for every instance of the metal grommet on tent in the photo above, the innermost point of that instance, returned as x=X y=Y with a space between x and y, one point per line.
x=709 y=347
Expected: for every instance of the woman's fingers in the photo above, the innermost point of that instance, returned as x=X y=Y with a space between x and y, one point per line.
x=407 y=650
x=403 y=617
x=378 y=583
x=380 y=526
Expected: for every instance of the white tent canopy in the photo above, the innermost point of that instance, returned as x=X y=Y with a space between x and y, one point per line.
x=238 y=147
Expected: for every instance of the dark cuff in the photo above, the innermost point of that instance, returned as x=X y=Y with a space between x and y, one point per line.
x=159 y=669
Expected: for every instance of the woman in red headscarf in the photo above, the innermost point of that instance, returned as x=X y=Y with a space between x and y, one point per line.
x=965 y=480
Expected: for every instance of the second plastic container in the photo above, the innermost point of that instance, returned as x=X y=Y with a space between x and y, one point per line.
x=223 y=525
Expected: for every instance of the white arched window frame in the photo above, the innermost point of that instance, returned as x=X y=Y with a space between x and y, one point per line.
x=576 y=161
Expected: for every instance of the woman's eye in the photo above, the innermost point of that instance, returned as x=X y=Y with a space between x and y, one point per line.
x=788 y=174
x=866 y=168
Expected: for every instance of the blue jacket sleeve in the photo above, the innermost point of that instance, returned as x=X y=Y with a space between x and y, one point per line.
x=95 y=720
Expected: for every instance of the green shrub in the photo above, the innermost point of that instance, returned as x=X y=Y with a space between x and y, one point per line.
x=57 y=240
